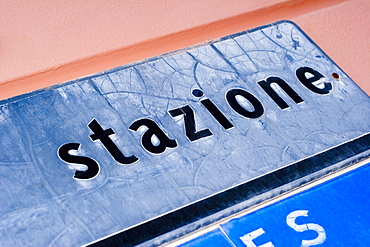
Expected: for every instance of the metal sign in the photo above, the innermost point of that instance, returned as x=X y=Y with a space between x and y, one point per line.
x=335 y=213
x=126 y=149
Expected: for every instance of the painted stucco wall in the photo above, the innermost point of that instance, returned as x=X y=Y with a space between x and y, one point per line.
x=43 y=43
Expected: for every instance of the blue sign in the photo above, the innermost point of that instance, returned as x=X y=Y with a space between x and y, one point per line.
x=335 y=213
x=176 y=138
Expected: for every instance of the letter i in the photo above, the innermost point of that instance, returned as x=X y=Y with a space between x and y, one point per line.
x=212 y=108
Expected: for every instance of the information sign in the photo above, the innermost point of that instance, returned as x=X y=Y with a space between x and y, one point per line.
x=177 y=138
x=335 y=213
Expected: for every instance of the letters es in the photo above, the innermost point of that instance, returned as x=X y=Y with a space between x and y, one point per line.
x=291 y=221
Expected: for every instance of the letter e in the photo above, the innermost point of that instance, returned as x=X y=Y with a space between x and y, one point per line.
x=248 y=239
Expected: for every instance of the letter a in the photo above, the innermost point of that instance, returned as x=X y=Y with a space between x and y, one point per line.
x=153 y=131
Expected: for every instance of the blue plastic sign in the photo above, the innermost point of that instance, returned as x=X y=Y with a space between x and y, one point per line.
x=176 y=138
x=335 y=213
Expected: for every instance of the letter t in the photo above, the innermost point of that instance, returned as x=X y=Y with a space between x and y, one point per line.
x=103 y=136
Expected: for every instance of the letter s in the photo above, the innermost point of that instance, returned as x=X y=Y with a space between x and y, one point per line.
x=92 y=166
x=290 y=220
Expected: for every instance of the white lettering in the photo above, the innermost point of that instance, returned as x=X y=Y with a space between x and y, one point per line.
x=290 y=220
x=248 y=239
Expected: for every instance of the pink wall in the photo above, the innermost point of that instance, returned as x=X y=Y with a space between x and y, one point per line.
x=47 y=42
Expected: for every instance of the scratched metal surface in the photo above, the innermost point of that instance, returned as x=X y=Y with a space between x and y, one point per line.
x=41 y=204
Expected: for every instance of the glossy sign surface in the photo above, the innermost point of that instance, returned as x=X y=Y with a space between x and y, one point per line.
x=166 y=132
x=335 y=213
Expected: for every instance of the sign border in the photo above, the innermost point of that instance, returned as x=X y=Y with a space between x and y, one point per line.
x=293 y=175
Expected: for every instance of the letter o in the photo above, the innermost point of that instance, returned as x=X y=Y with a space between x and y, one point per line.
x=231 y=99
